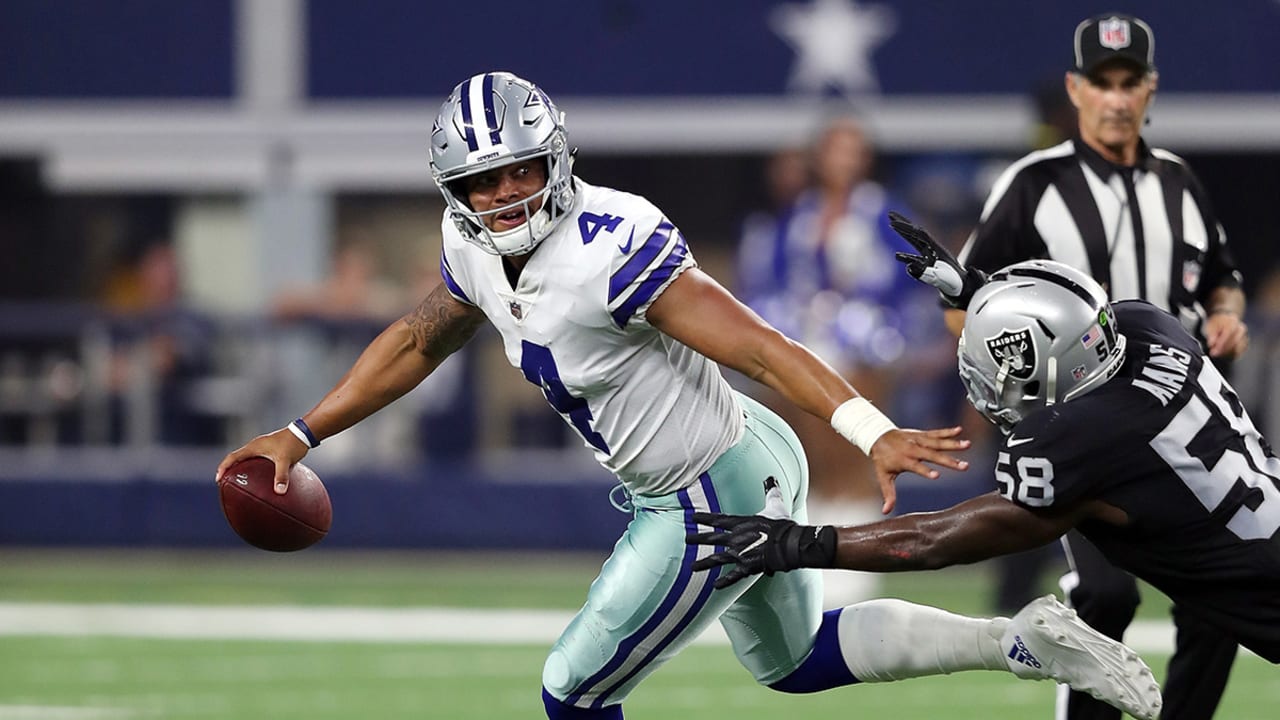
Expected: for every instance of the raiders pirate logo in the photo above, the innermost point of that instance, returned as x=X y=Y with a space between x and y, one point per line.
x=1015 y=350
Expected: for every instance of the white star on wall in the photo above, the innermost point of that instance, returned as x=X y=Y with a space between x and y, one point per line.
x=833 y=40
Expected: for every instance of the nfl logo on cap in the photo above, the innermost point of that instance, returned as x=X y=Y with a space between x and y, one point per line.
x=1104 y=38
x=1113 y=33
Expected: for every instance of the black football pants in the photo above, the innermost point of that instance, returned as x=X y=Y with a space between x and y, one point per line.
x=1106 y=598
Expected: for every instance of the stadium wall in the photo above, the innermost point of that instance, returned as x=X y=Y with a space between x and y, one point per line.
x=460 y=510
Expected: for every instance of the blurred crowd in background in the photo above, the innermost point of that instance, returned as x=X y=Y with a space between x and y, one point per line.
x=101 y=344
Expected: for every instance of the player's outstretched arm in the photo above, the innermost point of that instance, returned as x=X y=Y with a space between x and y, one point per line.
x=978 y=529
x=699 y=312
x=935 y=265
x=395 y=362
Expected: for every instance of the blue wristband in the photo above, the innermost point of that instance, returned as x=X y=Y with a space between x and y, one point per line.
x=300 y=429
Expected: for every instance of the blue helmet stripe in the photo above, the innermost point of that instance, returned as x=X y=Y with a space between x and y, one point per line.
x=468 y=128
x=490 y=112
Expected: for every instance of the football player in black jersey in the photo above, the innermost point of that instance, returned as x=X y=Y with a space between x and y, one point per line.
x=1115 y=424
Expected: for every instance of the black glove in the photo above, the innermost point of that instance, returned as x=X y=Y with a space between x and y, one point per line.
x=762 y=544
x=935 y=265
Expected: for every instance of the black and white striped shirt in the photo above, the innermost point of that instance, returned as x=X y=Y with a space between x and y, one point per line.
x=1145 y=232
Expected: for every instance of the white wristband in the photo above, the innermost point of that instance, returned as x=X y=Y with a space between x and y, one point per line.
x=861 y=423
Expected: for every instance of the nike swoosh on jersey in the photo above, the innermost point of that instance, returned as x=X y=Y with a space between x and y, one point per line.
x=627 y=248
x=762 y=539
x=1015 y=442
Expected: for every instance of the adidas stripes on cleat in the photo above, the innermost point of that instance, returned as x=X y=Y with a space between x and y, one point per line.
x=1047 y=641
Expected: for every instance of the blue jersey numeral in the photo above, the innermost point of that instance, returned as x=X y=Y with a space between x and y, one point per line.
x=540 y=369
x=590 y=224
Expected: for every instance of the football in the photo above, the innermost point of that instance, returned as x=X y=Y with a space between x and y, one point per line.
x=280 y=523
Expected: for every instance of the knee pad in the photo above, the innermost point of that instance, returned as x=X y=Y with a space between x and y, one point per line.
x=558 y=678
x=560 y=681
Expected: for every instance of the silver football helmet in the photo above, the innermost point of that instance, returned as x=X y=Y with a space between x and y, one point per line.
x=1038 y=333
x=495 y=119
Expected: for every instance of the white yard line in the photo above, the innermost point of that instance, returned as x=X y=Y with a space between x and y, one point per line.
x=349 y=624
x=58 y=712
x=274 y=622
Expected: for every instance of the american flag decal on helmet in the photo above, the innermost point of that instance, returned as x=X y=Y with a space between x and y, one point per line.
x=1090 y=337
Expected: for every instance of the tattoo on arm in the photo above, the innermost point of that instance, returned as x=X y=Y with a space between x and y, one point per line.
x=440 y=324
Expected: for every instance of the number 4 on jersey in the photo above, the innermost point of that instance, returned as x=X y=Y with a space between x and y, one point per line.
x=540 y=369
x=590 y=223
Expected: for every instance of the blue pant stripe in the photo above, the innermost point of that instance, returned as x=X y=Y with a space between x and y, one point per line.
x=557 y=710
x=690 y=554
x=628 y=646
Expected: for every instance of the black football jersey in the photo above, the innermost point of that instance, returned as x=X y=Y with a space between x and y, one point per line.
x=1167 y=441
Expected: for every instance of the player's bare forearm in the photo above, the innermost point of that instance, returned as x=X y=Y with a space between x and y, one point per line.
x=1225 y=333
x=699 y=312
x=983 y=527
x=400 y=358
x=800 y=376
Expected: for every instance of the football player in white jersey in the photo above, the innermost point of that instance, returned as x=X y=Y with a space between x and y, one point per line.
x=600 y=303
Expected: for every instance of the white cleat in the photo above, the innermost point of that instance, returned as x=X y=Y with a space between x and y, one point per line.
x=1046 y=641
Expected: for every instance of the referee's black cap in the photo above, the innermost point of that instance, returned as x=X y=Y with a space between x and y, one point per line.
x=1114 y=36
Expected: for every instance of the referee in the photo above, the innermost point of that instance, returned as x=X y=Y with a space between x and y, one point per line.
x=1137 y=219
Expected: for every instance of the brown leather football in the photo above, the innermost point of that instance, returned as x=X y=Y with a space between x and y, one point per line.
x=280 y=523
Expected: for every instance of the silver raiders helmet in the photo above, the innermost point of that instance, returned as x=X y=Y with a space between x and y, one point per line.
x=1038 y=333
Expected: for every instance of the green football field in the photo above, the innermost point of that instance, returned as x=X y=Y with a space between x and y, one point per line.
x=165 y=670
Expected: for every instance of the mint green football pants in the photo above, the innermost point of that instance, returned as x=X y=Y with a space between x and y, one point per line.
x=647 y=603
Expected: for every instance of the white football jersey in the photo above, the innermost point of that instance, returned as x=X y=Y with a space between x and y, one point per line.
x=656 y=413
